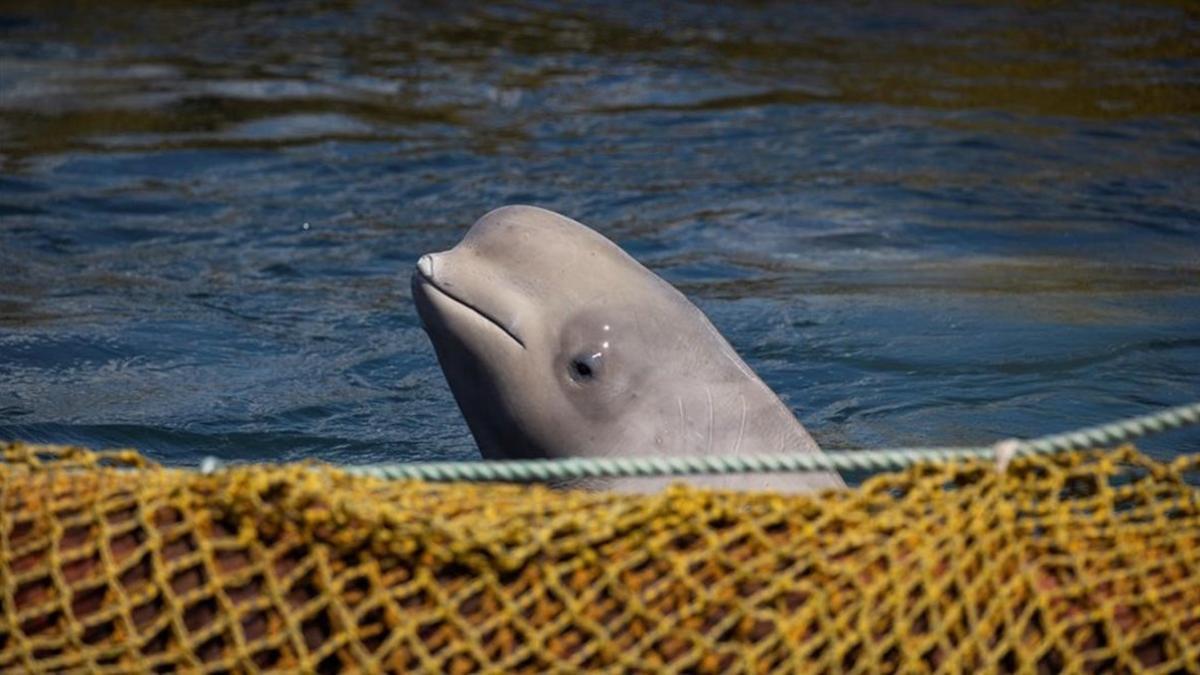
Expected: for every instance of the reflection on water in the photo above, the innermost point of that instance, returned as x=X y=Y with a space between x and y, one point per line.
x=920 y=223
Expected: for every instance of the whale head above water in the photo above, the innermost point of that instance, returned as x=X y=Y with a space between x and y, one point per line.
x=556 y=343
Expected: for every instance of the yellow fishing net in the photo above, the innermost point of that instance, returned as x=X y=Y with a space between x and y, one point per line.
x=1077 y=562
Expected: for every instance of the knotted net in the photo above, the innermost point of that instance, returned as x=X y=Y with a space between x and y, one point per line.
x=1080 y=562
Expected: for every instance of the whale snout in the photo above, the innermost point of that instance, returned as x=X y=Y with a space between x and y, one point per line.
x=443 y=289
x=425 y=265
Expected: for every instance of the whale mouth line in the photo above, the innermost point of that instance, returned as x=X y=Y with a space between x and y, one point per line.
x=427 y=282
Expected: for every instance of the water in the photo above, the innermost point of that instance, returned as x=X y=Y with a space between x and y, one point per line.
x=921 y=223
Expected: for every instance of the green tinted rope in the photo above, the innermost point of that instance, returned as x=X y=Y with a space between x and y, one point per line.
x=870 y=460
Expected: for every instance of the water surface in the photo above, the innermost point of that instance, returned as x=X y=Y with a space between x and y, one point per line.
x=921 y=223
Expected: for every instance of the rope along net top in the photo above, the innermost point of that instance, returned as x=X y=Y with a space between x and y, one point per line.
x=872 y=460
x=1073 y=562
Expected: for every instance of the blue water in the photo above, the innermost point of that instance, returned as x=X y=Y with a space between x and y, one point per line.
x=921 y=223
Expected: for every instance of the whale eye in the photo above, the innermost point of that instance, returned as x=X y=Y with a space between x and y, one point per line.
x=586 y=367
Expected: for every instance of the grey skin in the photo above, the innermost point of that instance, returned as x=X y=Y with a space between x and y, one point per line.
x=556 y=343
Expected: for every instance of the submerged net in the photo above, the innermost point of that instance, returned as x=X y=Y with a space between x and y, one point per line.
x=1076 y=562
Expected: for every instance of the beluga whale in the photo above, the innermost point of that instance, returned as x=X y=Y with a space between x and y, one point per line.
x=557 y=343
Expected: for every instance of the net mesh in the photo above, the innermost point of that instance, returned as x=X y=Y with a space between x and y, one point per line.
x=1078 y=562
